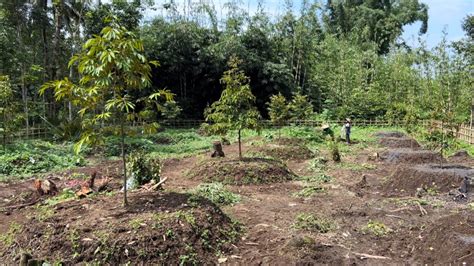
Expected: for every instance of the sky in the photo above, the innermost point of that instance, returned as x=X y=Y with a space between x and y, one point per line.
x=443 y=14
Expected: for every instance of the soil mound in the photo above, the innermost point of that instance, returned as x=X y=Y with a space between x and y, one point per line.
x=239 y=172
x=390 y=134
x=461 y=157
x=408 y=156
x=290 y=141
x=395 y=142
x=156 y=228
x=285 y=152
x=437 y=178
x=449 y=240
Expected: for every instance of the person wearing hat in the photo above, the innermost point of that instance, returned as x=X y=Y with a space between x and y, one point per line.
x=347 y=127
x=327 y=131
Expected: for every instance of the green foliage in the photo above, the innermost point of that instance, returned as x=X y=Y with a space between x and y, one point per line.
x=111 y=146
x=65 y=195
x=318 y=178
x=376 y=228
x=236 y=108
x=300 y=107
x=278 y=109
x=142 y=169
x=309 y=191
x=112 y=65
x=314 y=223
x=380 y=22
x=217 y=193
x=8 y=238
x=9 y=117
x=36 y=156
x=334 y=150
x=318 y=164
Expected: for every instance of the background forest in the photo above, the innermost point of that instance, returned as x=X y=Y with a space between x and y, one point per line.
x=345 y=56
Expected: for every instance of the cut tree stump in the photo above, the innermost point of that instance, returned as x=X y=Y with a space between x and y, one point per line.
x=218 y=152
x=45 y=187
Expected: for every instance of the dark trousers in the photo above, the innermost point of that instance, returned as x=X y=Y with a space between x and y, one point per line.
x=348 y=138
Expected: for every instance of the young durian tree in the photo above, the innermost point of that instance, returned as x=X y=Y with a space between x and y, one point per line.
x=235 y=110
x=111 y=66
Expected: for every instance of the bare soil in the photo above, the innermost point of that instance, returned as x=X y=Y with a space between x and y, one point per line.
x=390 y=134
x=438 y=178
x=408 y=156
x=462 y=157
x=396 y=142
x=436 y=231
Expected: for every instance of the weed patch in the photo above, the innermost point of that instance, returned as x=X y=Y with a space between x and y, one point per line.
x=217 y=193
x=8 y=238
x=313 y=223
x=376 y=228
x=309 y=191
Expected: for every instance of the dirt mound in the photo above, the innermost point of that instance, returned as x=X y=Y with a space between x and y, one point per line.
x=395 y=142
x=390 y=134
x=285 y=152
x=156 y=228
x=246 y=171
x=408 y=156
x=447 y=240
x=289 y=141
x=461 y=156
x=435 y=178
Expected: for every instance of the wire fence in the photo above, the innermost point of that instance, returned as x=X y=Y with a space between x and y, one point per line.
x=462 y=132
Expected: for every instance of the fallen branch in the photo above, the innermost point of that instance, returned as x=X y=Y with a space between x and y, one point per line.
x=465 y=256
x=362 y=255
x=400 y=209
x=367 y=256
x=154 y=187
x=395 y=216
x=422 y=210
x=22 y=205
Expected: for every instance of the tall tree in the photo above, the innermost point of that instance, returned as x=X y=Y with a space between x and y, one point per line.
x=112 y=66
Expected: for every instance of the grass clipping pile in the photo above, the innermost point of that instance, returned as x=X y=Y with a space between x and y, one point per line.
x=286 y=149
x=156 y=228
x=241 y=172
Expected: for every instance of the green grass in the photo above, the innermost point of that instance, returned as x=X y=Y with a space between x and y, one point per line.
x=309 y=191
x=317 y=178
x=8 y=238
x=28 y=157
x=65 y=195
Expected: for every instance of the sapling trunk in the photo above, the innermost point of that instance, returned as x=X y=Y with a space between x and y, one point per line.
x=240 y=146
x=122 y=144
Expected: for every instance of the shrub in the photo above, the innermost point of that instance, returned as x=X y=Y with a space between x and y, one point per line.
x=142 y=169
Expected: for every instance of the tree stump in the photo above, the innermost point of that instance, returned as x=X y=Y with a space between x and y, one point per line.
x=218 y=152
